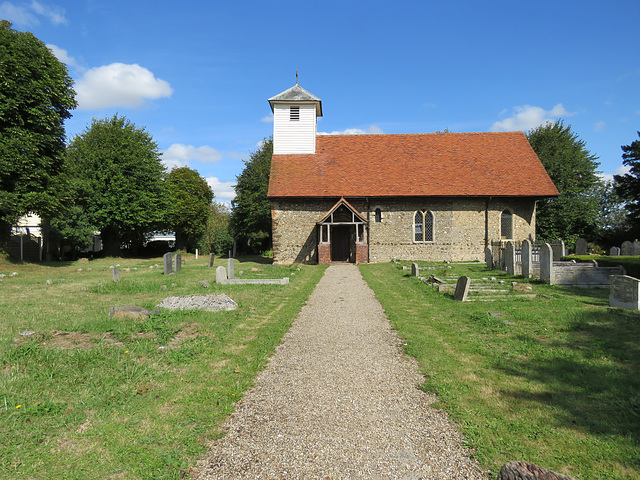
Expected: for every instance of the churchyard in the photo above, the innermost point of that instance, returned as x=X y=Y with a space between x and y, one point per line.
x=552 y=378
x=85 y=395
x=529 y=371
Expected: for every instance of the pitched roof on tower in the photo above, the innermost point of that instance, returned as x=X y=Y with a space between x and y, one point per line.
x=297 y=94
x=410 y=165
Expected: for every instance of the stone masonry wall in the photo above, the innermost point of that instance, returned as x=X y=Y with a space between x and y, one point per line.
x=458 y=227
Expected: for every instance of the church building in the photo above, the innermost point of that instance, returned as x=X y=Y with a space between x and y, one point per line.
x=371 y=198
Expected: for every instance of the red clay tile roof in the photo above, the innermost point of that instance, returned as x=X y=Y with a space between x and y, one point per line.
x=435 y=164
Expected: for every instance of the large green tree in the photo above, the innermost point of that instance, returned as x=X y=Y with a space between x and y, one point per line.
x=190 y=197
x=251 y=215
x=628 y=185
x=572 y=168
x=218 y=238
x=119 y=182
x=36 y=96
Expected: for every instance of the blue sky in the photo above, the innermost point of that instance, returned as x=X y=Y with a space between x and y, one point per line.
x=197 y=74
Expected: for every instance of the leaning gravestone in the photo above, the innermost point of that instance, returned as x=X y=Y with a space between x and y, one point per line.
x=581 y=247
x=221 y=275
x=462 y=289
x=626 y=248
x=166 y=260
x=415 y=270
x=178 y=262
x=614 y=252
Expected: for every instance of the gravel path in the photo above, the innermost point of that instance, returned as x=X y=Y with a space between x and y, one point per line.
x=339 y=400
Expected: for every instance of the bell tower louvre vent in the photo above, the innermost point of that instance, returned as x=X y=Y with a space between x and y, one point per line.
x=294 y=113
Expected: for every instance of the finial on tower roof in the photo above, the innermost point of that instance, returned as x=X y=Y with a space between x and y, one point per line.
x=296 y=77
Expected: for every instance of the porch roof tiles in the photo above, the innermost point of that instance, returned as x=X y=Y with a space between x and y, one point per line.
x=413 y=165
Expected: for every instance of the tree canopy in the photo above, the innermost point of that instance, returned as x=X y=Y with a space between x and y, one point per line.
x=572 y=168
x=251 y=216
x=119 y=181
x=36 y=96
x=628 y=185
x=190 y=197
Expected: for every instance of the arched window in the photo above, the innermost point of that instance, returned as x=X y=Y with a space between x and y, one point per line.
x=423 y=226
x=506 y=225
x=378 y=215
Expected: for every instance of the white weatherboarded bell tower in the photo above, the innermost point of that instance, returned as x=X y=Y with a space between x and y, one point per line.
x=295 y=113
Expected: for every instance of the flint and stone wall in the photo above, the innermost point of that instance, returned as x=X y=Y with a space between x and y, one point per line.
x=458 y=227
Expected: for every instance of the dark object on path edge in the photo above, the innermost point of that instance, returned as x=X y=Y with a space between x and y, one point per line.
x=528 y=471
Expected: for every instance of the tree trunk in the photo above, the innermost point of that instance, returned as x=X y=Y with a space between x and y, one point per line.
x=528 y=471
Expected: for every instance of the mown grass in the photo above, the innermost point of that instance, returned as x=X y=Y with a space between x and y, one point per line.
x=553 y=380
x=87 y=396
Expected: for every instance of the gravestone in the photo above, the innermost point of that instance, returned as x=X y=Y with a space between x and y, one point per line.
x=178 y=262
x=221 y=275
x=510 y=258
x=230 y=265
x=626 y=248
x=462 y=289
x=166 y=260
x=415 y=270
x=625 y=292
x=116 y=274
x=636 y=248
x=558 y=250
x=614 y=252
x=546 y=264
x=527 y=269
x=211 y=258
x=582 y=248
x=488 y=257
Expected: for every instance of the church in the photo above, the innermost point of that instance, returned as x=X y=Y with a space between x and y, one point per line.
x=371 y=198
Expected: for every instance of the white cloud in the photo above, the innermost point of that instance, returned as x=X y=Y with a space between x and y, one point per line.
x=179 y=155
x=54 y=14
x=223 y=191
x=267 y=119
x=622 y=170
x=62 y=55
x=119 y=85
x=26 y=15
x=373 y=129
x=598 y=126
x=527 y=117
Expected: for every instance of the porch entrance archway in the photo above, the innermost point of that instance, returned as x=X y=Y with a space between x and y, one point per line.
x=343 y=235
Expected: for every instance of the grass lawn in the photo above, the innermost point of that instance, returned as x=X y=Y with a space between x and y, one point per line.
x=87 y=396
x=552 y=380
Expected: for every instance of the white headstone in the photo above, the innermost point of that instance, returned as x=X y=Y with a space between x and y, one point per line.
x=614 y=252
x=625 y=292
x=221 y=275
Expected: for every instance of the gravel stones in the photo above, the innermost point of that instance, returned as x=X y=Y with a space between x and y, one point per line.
x=339 y=399
x=210 y=303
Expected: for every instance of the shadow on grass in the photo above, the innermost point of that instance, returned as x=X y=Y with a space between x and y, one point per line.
x=596 y=386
